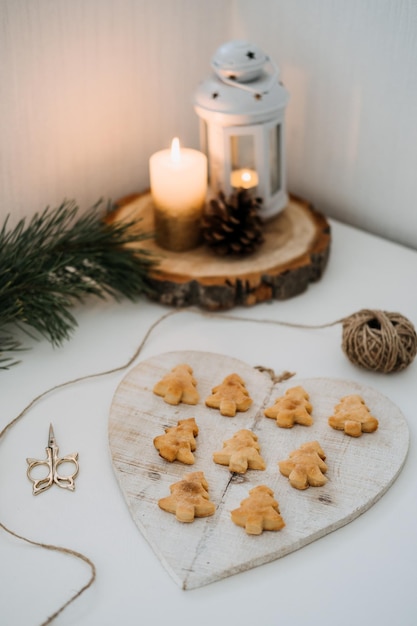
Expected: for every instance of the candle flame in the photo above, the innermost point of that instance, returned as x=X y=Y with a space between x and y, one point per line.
x=245 y=178
x=175 y=150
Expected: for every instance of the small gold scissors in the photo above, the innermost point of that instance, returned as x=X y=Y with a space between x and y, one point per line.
x=52 y=462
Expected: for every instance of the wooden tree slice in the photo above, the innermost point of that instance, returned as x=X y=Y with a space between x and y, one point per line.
x=294 y=254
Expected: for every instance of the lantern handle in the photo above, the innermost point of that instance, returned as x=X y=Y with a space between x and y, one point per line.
x=247 y=87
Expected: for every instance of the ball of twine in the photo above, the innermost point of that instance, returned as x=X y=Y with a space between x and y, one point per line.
x=379 y=341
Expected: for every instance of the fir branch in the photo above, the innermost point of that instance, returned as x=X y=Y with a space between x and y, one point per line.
x=60 y=257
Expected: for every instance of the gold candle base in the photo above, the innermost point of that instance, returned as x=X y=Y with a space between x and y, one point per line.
x=180 y=231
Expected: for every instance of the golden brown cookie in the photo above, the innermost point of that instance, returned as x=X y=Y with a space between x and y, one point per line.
x=353 y=416
x=292 y=408
x=179 y=385
x=189 y=498
x=258 y=512
x=230 y=396
x=305 y=466
x=241 y=452
x=178 y=443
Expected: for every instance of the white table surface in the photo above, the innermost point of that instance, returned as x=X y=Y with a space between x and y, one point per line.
x=363 y=573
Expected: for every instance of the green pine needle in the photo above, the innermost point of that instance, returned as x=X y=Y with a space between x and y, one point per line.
x=60 y=257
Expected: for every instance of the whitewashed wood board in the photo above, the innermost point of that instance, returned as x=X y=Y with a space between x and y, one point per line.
x=359 y=470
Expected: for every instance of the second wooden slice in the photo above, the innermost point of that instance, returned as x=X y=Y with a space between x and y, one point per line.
x=359 y=470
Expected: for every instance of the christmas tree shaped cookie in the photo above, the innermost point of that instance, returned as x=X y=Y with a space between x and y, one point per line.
x=353 y=416
x=179 y=385
x=305 y=466
x=241 y=452
x=178 y=442
x=258 y=512
x=189 y=498
x=292 y=408
x=230 y=396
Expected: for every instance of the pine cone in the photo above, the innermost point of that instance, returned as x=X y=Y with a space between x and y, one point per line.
x=232 y=225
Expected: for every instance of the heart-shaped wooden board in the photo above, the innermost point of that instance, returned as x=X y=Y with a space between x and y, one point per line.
x=360 y=470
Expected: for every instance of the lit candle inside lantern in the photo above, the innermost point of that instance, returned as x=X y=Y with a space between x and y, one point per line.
x=244 y=178
x=178 y=186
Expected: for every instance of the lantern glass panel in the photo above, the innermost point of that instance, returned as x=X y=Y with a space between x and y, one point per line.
x=242 y=156
x=204 y=136
x=204 y=143
x=275 y=158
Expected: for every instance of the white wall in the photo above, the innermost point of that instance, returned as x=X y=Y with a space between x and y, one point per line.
x=351 y=69
x=90 y=89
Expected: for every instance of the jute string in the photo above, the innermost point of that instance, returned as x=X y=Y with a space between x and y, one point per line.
x=380 y=341
x=375 y=340
x=73 y=553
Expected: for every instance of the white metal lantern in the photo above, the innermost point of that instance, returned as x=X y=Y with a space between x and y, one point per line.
x=241 y=108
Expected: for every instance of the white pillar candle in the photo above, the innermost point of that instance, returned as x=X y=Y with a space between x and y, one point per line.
x=178 y=186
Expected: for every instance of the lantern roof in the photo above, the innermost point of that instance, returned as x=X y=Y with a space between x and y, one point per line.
x=243 y=88
x=238 y=60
